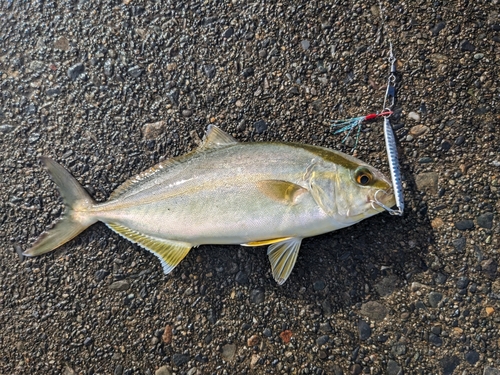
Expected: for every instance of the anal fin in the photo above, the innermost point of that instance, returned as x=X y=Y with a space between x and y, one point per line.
x=170 y=253
x=282 y=256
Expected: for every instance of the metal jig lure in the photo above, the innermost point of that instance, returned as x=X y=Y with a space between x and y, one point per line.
x=390 y=139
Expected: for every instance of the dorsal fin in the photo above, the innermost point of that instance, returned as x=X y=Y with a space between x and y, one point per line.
x=214 y=138
x=148 y=173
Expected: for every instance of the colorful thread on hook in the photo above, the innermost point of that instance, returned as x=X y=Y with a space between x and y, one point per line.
x=349 y=124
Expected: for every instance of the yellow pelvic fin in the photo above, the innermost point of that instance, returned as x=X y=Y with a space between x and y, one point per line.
x=265 y=242
x=170 y=253
x=281 y=191
x=282 y=256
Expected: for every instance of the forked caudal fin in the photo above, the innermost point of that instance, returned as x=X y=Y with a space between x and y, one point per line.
x=76 y=216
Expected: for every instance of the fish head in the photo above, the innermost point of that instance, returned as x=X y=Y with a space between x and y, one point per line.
x=347 y=189
x=367 y=192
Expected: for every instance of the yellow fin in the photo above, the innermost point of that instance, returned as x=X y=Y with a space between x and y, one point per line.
x=282 y=256
x=265 y=242
x=169 y=252
x=215 y=137
x=281 y=191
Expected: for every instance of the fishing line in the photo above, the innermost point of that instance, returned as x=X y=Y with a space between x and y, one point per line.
x=390 y=139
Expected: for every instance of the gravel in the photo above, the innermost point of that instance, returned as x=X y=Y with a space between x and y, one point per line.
x=111 y=89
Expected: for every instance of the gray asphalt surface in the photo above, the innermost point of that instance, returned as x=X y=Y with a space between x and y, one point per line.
x=82 y=82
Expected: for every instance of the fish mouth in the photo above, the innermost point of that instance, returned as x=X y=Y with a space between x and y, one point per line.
x=383 y=200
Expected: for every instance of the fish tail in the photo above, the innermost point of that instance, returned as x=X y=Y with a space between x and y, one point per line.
x=77 y=214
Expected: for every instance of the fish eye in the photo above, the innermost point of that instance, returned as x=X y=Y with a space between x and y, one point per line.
x=363 y=176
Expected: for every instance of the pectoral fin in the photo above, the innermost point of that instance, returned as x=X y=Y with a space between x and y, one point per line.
x=282 y=256
x=170 y=253
x=281 y=191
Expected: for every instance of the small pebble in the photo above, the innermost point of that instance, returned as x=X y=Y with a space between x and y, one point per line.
x=427 y=181
x=437 y=28
x=241 y=278
x=459 y=140
x=472 y=357
x=120 y=285
x=319 y=285
x=153 y=130
x=435 y=340
x=459 y=244
x=464 y=224
x=253 y=340
x=247 y=72
x=75 y=71
x=322 y=340
x=180 y=359
x=449 y=364
x=393 y=368
x=228 y=33
x=373 y=310
x=260 y=126
x=53 y=91
x=485 y=220
x=462 y=283
x=419 y=130
x=425 y=160
x=135 y=71
x=209 y=70
x=364 y=330
x=387 y=285
x=6 y=128
x=325 y=327
x=257 y=295
x=33 y=138
x=399 y=349
x=101 y=275
x=467 y=46
x=489 y=268
x=434 y=298
x=491 y=371
x=109 y=68
x=163 y=370
x=414 y=116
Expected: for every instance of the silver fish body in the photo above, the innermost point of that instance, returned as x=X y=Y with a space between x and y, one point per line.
x=227 y=192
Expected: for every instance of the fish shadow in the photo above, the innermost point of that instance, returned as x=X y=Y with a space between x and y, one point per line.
x=369 y=260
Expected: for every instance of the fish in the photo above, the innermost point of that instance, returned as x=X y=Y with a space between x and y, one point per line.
x=227 y=192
